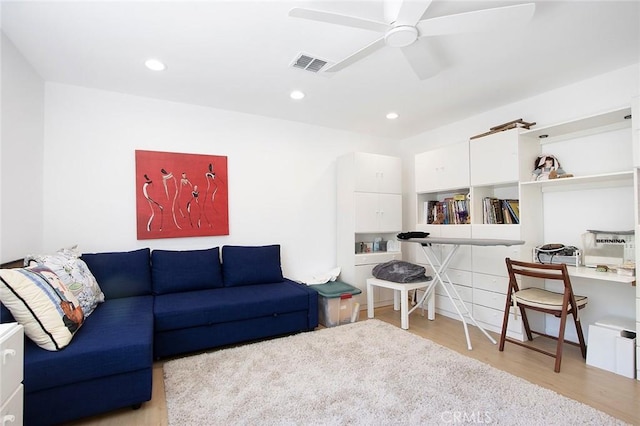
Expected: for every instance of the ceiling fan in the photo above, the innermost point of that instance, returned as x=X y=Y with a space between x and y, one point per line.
x=403 y=28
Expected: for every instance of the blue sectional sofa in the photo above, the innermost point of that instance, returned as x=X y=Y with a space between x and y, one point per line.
x=158 y=304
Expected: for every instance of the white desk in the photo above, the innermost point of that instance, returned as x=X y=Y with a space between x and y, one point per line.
x=401 y=291
x=441 y=277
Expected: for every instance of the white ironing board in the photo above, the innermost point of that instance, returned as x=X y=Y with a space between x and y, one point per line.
x=441 y=277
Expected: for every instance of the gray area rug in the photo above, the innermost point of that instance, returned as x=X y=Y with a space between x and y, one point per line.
x=365 y=373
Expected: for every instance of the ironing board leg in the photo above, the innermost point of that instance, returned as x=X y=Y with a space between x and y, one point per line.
x=440 y=271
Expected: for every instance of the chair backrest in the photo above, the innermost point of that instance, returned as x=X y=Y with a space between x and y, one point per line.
x=539 y=270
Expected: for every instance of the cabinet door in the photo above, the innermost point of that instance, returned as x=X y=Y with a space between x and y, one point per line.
x=366 y=172
x=378 y=212
x=442 y=168
x=367 y=212
x=390 y=172
x=390 y=212
x=377 y=173
x=494 y=158
x=11 y=365
x=635 y=129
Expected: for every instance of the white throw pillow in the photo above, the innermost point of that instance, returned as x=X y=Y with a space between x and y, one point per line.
x=40 y=301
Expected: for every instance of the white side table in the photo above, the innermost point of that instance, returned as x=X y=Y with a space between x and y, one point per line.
x=401 y=291
x=11 y=372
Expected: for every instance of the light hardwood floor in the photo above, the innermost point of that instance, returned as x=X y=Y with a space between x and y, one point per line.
x=617 y=395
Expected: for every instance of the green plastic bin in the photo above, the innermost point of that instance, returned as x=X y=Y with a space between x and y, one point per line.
x=335 y=303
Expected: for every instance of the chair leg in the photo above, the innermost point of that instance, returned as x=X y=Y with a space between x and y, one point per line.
x=505 y=322
x=563 y=323
x=583 y=345
x=525 y=323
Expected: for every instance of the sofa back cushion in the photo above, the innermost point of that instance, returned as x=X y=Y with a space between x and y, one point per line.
x=178 y=271
x=248 y=265
x=121 y=274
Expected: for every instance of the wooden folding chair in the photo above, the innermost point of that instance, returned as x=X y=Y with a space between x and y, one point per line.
x=541 y=300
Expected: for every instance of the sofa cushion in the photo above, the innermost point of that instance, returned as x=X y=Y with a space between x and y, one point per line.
x=116 y=339
x=121 y=274
x=177 y=271
x=74 y=273
x=204 y=307
x=248 y=265
x=37 y=299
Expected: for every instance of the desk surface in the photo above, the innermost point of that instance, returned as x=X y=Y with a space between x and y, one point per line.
x=465 y=241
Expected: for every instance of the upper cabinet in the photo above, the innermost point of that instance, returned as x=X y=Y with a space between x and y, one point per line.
x=500 y=158
x=442 y=168
x=377 y=173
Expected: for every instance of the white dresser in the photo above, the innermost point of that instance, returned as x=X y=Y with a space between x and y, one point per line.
x=11 y=370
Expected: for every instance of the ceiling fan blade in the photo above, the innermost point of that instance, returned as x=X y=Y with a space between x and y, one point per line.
x=360 y=54
x=479 y=20
x=338 y=19
x=411 y=11
x=423 y=59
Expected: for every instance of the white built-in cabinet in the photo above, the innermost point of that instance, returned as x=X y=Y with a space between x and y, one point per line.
x=635 y=121
x=442 y=168
x=11 y=373
x=598 y=150
x=369 y=207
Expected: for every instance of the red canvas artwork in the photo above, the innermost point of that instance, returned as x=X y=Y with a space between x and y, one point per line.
x=181 y=195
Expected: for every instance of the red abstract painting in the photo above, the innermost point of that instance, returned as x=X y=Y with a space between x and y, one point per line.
x=181 y=195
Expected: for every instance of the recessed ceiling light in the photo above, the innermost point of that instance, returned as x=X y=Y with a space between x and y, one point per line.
x=392 y=115
x=155 y=65
x=296 y=94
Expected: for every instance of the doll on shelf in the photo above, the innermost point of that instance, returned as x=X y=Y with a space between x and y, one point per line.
x=548 y=167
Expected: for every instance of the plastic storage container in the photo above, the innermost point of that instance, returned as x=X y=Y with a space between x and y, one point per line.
x=335 y=303
x=611 y=346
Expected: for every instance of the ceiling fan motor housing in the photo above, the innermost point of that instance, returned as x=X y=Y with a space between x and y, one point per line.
x=401 y=36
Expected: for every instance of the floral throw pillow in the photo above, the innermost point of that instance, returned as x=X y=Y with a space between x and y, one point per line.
x=74 y=273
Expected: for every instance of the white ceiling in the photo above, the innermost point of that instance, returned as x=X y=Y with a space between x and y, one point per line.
x=236 y=55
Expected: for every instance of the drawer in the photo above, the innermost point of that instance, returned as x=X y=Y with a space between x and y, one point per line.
x=457 y=276
x=11 y=360
x=443 y=303
x=497 y=284
x=466 y=293
x=489 y=299
x=494 y=317
x=375 y=258
x=13 y=408
x=491 y=260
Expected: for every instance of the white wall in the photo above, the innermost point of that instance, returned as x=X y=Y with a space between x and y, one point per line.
x=282 y=185
x=21 y=155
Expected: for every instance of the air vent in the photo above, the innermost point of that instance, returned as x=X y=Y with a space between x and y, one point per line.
x=308 y=63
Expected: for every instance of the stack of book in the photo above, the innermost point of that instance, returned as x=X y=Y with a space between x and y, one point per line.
x=495 y=210
x=450 y=211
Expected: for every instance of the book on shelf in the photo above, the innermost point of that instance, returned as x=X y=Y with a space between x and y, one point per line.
x=451 y=210
x=514 y=209
x=497 y=211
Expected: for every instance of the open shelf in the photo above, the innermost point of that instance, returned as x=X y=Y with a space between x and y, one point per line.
x=594 y=124
x=606 y=180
